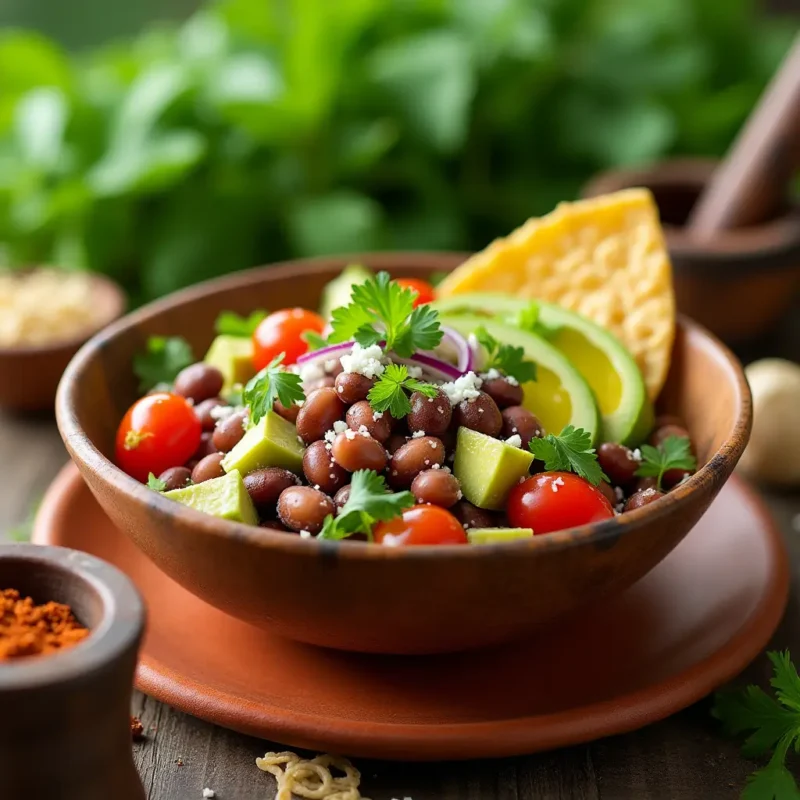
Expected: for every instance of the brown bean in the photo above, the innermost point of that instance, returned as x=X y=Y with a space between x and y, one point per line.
x=206 y=446
x=395 y=442
x=665 y=431
x=471 y=516
x=208 y=468
x=412 y=458
x=645 y=483
x=362 y=414
x=479 y=414
x=503 y=392
x=199 y=382
x=432 y=415
x=265 y=486
x=352 y=387
x=289 y=414
x=229 y=431
x=672 y=477
x=321 y=470
x=608 y=493
x=203 y=412
x=517 y=420
x=618 y=463
x=437 y=487
x=355 y=451
x=325 y=382
x=341 y=497
x=321 y=409
x=302 y=508
x=175 y=478
x=337 y=368
x=643 y=498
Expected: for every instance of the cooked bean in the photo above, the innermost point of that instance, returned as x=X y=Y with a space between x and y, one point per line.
x=289 y=414
x=362 y=414
x=321 y=470
x=395 y=442
x=665 y=431
x=431 y=415
x=608 y=493
x=199 y=382
x=355 y=451
x=336 y=369
x=265 y=486
x=206 y=446
x=517 y=420
x=352 y=387
x=437 y=487
x=208 y=468
x=175 y=478
x=672 y=477
x=471 y=516
x=412 y=458
x=643 y=498
x=321 y=409
x=618 y=463
x=203 y=412
x=479 y=414
x=644 y=483
x=341 y=497
x=503 y=392
x=302 y=508
x=229 y=431
x=325 y=382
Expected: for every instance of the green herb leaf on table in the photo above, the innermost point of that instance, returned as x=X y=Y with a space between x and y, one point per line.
x=369 y=502
x=389 y=392
x=505 y=357
x=314 y=340
x=270 y=384
x=230 y=323
x=163 y=359
x=570 y=451
x=675 y=452
x=156 y=484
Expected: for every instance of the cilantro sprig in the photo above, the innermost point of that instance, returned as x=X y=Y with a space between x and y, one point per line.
x=771 y=724
x=675 y=452
x=229 y=323
x=156 y=484
x=505 y=357
x=163 y=359
x=570 y=451
x=382 y=310
x=369 y=502
x=270 y=384
x=389 y=392
x=530 y=319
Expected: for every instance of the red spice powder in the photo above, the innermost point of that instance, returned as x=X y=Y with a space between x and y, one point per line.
x=30 y=630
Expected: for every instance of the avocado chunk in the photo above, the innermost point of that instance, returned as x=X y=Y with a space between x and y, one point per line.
x=224 y=497
x=233 y=357
x=273 y=442
x=488 y=468
x=559 y=396
x=337 y=292
x=604 y=362
x=492 y=535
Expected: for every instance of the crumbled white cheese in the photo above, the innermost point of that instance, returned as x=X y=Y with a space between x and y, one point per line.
x=467 y=387
x=559 y=481
x=305 y=534
x=432 y=444
x=376 y=415
x=299 y=403
x=436 y=466
x=332 y=476
x=414 y=372
x=427 y=462
x=364 y=361
x=510 y=379
x=620 y=495
x=209 y=793
x=310 y=372
x=340 y=426
x=221 y=412
x=362 y=431
x=492 y=374
x=460 y=494
x=350 y=434
x=417 y=434
x=515 y=440
x=330 y=436
x=637 y=454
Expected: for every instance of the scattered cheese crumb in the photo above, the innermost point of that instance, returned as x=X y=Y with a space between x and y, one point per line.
x=619 y=494
x=221 y=412
x=305 y=534
x=515 y=440
x=376 y=415
x=340 y=426
x=510 y=379
x=350 y=434
x=330 y=436
x=330 y=365
x=637 y=454
x=467 y=387
x=417 y=434
x=559 y=481
x=436 y=466
x=362 y=431
x=433 y=445
x=427 y=462
x=414 y=372
x=209 y=793
x=310 y=372
x=364 y=361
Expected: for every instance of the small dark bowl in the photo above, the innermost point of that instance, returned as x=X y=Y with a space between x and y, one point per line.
x=65 y=728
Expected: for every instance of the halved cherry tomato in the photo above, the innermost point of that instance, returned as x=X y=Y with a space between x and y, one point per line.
x=281 y=332
x=552 y=501
x=158 y=432
x=421 y=525
x=425 y=292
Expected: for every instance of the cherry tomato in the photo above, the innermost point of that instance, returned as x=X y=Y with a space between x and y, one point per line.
x=552 y=501
x=281 y=332
x=158 y=432
x=421 y=525
x=425 y=292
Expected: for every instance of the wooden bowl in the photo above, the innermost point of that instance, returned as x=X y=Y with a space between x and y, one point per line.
x=29 y=375
x=65 y=728
x=356 y=596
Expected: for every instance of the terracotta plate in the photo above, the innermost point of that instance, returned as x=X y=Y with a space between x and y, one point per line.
x=691 y=624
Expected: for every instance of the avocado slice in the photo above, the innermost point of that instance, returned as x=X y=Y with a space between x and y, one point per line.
x=338 y=291
x=559 y=396
x=604 y=362
x=233 y=357
x=488 y=468
x=492 y=535
x=224 y=497
x=273 y=442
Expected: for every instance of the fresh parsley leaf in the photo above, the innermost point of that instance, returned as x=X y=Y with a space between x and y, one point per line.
x=675 y=452
x=156 y=484
x=270 y=384
x=382 y=310
x=505 y=357
x=529 y=319
x=230 y=323
x=163 y=359
x=389 y=392
x=369 y=502
x=314 y=340
x=570 y=451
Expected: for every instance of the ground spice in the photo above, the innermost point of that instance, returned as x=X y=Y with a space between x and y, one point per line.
x=137 y=729
x=30 y=630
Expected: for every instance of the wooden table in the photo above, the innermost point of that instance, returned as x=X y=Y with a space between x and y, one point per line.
x=681 y=758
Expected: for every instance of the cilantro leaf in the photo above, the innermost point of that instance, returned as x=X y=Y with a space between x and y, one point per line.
x=529 y=319
x=230 y=323
x=164 y=358
x=773 y=782
x=156 y=484
x=369 y=502
x=270 y=384
x=570 y=451
x=505 y=357
x=675 y=452
x=314 y=340
x=389 y=392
